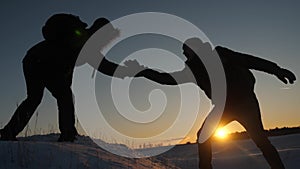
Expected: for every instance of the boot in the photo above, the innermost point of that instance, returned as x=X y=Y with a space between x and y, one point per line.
x=7 y=136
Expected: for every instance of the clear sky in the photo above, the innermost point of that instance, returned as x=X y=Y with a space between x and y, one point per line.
x=268 y=29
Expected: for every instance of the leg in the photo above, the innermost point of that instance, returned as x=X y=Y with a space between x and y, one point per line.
x=253 y=124
x=22 y=115
x=204 y=149
x=64 y=97
x=66 y=113
x=205 y=155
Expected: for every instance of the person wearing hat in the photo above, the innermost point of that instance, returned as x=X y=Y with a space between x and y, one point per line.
x=241 y=102
x=50 y=64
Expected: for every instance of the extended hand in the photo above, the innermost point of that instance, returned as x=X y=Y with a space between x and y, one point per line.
x=286 y=76
x=133 y=67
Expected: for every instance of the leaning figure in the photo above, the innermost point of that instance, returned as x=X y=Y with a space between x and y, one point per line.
x=241 y=102
x=50 y=64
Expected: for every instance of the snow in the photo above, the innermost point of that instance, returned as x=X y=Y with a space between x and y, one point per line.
x=44 y=152
x=241 y=154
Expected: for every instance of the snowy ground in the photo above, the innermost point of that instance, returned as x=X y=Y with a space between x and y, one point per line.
x=44 y=152
x=242 y=154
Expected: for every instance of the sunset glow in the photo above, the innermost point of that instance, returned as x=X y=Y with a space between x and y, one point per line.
x=221 y=133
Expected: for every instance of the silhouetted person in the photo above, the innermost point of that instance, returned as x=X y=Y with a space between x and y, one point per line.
x=50 y=64
x=241 y=102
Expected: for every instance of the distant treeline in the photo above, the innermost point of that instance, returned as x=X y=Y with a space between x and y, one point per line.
x=271 y=132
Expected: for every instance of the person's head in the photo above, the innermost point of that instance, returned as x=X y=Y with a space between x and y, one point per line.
x=63 y=27
x=194 y=46
x=98 y=23
x=69 y=30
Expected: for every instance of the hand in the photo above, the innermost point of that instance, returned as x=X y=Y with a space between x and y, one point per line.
x=286 y=76
x=133 y=67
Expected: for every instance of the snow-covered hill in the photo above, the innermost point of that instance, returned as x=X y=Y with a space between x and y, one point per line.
x=43 y=152
x=38 y=152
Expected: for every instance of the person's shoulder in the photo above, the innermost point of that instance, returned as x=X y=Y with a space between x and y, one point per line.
x=41 y=47
x=224 y=51
x=36 y=46
x=222 y=48
x=219 y=47
x=41 y=44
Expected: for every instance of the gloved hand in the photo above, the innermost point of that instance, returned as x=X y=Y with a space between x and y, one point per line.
x=286 y=76
x=133 y=68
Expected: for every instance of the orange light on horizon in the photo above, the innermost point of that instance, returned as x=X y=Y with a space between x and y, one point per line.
x=221 y=133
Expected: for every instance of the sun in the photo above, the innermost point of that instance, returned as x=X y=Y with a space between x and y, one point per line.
x=221 y=133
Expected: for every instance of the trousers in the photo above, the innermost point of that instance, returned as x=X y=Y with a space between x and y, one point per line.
x=59 y=84
x=247 y=113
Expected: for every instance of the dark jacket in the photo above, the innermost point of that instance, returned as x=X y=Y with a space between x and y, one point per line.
x=239 y=79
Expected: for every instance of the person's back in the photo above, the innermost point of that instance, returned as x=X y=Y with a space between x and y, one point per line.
x=239 y=79
x=65 y=34
x=51 y=59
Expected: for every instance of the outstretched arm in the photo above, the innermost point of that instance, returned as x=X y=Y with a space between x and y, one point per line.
x=112 y=69
x=161 y=78
x=252 y=62
x=107 y=67
x=173 y=78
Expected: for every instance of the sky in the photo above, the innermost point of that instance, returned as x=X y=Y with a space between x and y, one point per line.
x=269 y=30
